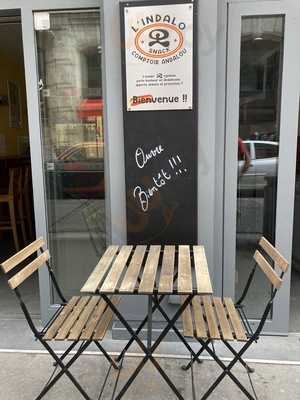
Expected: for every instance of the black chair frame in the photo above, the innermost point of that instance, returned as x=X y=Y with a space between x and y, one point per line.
x=252 y=337
x=58 y=360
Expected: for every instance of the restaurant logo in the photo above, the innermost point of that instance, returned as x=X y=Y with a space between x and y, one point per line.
x=159 y=56
x=159 y=40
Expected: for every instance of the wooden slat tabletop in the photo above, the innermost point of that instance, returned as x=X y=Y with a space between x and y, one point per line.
x=116 y=270
x=101 y=268
x=201 y=269
x=151 y=269
x=132 y=273
x=167 y=270
x=185 y=284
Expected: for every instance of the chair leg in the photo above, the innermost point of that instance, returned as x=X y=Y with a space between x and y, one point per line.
x=109 y=359
x=226 y=370
x=64 y=370
x=65 y=354
x=235 y=353
x=195 y=358
x=13 y=222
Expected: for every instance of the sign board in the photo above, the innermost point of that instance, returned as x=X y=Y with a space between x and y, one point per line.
x=160 y=140
x=159 y=57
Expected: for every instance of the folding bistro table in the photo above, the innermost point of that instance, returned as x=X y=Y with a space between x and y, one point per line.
x=155 y=271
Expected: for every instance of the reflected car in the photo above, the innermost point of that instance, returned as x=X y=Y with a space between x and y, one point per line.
x=263 y=167
x=79 y=172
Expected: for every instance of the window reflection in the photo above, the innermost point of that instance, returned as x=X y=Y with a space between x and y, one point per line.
x=258 y=145
x=72 y=119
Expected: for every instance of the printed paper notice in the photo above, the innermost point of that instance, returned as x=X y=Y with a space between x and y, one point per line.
x=41 y=21
x=159 y=57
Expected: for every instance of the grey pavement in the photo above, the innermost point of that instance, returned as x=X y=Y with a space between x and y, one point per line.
x=23 y=375
x=25 y=368
x=16 y=335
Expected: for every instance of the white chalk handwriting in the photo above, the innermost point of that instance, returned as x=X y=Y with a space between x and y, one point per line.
x=176 y=162
x=144 y=195
x=141 y=157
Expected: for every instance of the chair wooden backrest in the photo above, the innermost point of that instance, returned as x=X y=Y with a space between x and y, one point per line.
x=15 y=182
x=11 y=184
x=274 y=254
x=27 y=270
x=271 y=274
x=26 y=179
x=265 y=266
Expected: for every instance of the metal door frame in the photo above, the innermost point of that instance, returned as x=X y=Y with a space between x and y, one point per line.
x=287 y=153
x=114 y=154
x=114 y=150
x=214 y=181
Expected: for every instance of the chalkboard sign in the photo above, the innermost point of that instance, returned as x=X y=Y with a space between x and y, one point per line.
x=160 y=122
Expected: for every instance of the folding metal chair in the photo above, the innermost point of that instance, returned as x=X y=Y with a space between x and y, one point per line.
x=83 y=320
x=212 y=318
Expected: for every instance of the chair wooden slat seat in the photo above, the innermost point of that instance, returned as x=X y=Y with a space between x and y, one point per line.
x=82 y=318
x=211 y=318
x=200 y=325
x=105 y=321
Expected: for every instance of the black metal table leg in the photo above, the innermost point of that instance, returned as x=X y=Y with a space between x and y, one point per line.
x=140 y=327
x=149 y=352
x=180 y=336
x=149 y=328
x=142 y=324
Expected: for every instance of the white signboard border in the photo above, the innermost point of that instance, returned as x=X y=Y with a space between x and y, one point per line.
x=159 y=56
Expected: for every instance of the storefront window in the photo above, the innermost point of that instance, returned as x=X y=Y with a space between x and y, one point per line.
x=258 y=146
x=69 y=54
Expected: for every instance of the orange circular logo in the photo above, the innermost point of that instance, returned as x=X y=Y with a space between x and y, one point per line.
x=159 y=40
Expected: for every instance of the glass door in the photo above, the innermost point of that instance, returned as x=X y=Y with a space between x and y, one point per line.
x=71 y=107
x=256 y=162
